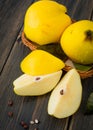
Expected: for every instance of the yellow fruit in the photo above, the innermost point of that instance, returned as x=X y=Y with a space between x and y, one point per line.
x=65 y=99
x=36 y=85
x=45 y=21
x=77 y=42
x=40 y=62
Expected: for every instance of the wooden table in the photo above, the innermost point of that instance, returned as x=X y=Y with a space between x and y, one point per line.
x=12 y=51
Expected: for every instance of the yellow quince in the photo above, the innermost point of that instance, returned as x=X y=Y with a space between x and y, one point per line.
x=77 y=42
x=45 y=21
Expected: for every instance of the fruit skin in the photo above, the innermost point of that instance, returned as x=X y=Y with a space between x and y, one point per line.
x=66 y=97
x=40 y=62
x=44 y=24
x=27 y=85
x=76 y=44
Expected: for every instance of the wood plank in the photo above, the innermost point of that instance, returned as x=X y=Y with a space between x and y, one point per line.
x=11 y=20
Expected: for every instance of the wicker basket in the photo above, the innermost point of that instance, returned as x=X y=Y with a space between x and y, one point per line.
x=34 y=46
x=28 y=43
x=84 y=74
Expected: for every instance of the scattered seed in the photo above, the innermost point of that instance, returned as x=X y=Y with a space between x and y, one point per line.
x=36 y=121
x=36 y=129
x=10 y=114
x=10 y=102
x=22 y=123
x=32 y=122
x=25 y=126
x=62 y=92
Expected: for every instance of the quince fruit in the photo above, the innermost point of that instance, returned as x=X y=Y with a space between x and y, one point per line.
x=45 y=21
x=77 y=42
x=40 y=62
x=27 y=85
x=66 y=97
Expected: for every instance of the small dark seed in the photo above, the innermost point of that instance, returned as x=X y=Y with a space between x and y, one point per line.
x=37 y=78
x=25 y=126
x=22 y=123
x=36 y=129
x=10 y=114
x=62 y=92
x=10 y=103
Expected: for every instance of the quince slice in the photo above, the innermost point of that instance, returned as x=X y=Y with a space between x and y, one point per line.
x=66 y=96
x=27 y=85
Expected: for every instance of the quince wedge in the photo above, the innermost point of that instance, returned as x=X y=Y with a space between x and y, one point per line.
x=27 y=85
x=45 y=21
x=40 y=62
x=66 y=97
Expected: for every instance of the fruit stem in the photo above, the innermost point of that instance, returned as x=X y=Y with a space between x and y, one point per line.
x=89 y=35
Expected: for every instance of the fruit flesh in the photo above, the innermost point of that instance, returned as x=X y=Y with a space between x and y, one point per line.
x=44 y=24
x=28 y=85
x=66 y=104
x=75 y=43
x=40 y=62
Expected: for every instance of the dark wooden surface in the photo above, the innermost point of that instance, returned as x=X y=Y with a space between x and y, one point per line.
x=12 y=51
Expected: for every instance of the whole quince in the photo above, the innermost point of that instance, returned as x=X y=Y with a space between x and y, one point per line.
x=45 y=21
x=77 y=42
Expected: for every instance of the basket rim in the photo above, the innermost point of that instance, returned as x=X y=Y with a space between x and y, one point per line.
x=83 y=74
x=31 y=45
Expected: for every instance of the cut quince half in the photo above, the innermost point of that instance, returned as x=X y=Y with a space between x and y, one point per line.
x=40 y=62
x=27 y=85
x=66 y=96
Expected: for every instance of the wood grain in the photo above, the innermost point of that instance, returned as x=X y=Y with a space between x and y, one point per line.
x=11 y=20
x=12 y=51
